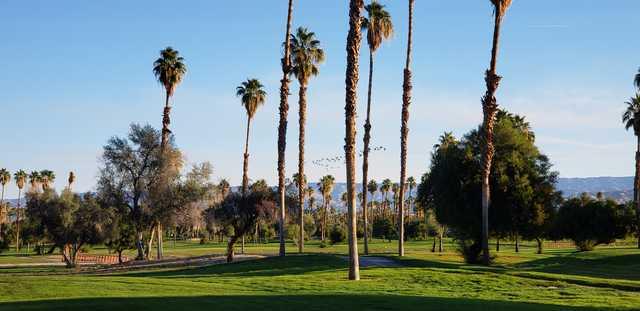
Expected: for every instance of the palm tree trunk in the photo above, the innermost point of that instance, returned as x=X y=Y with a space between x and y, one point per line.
x=2 y=212
x=539 y=248
x=353 y=54
x=245 y=164
x=166 y=120
x=282 y=129
x=324 y=220
x=18 y=221
x=365 y=154
x=230 y=251
x=302 y=115
x=517 y=243
x=489 y=108
x=404 y=132
x=637 y=190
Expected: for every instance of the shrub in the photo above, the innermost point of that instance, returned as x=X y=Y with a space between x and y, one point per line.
x=588 y=222
x=337 y=234
x=383 y=229
x=415 y=230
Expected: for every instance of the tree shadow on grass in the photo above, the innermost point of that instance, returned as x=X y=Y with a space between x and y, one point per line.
x=283 y=302
x=270 y=266
x=622 y=267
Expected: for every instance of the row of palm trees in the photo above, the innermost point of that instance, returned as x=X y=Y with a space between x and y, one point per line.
x=37 y=180
x=302 y=55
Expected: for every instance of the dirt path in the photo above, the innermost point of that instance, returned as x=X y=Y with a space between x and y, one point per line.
x=178 y=262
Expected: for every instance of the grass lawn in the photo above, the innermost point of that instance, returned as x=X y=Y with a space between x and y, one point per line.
x=606 y=279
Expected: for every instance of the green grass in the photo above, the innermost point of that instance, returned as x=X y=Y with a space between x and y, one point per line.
x=606 y=279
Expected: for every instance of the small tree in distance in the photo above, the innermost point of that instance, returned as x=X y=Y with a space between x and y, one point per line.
x=242 y=212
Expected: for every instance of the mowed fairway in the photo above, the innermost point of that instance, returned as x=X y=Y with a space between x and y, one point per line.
x=606 y=279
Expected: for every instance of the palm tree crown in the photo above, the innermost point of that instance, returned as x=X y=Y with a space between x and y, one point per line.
x=5 y=177
x=378 y=25
x=47 y=178
x=169 y=69
x=500 y=7
x=34 y=179
x=252 y=96
x=20 y=177
x=631 y=116
x=306 y=55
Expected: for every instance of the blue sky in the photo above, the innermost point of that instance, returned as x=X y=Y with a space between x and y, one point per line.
x=74 y=73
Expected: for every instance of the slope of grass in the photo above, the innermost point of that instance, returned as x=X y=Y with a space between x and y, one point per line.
x=426 y=281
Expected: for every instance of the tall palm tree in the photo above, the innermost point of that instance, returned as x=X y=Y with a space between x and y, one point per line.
x=252 y=96
x=20 y=178
x=354 y=39
x=47 y=178
x=379 y=28
x=5 y=178
x=71 y=180
x=631 y=119
x=282 y=127
x=169 y=70
x=489 y=109
x=35 y=180
x=404 y=130
x=326 y=188
x=306 y=55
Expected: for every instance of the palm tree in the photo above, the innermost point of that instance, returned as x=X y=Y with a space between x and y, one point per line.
x=169 y=69
x=223 y=188
x=5 y=178
x=301 y=187
x=71 y=180
x=631 y=119
x=35 y=179
x=282 y=127
x=354 y=39
x=306 y=55
x=404 y=130
x=252 y=96
x=47 y=178
x=385 y=187
x=372 y=188
x=489 y=109
x=326 y=187
x=411 y=184
x=20 y=178
x=636 y=80
x=379 y=28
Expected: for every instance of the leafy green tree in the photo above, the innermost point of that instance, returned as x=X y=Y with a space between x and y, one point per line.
x=522 y=185
x=306 y=56
x=379 y=28
x=337 y=234
x=130 y=167
x=631 y=119
x=242 y=211
x=588 y=222
x=252 y=96
x=70 y=221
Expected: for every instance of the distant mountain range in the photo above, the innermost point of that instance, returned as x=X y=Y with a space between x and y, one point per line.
x=616 y=188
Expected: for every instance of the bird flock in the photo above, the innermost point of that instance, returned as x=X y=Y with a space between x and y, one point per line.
x=331 y=163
